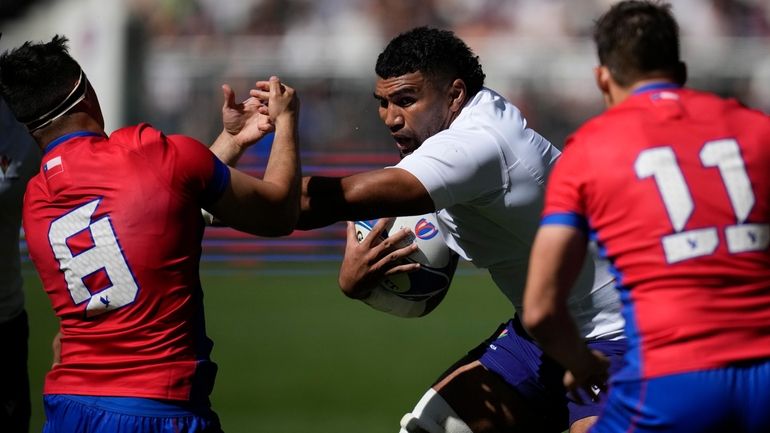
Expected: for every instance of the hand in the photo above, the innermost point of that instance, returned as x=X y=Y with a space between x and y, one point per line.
x=278 y=100
x=367 y=262
x=590 y=374
x=244 y=122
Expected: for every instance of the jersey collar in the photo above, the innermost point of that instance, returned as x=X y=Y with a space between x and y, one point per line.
x=66 y=137
x=661 y=85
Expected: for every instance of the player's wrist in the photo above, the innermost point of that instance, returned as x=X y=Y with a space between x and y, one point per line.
x=233 y=141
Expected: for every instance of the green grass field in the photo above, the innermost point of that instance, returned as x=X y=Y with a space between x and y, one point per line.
x=296 y=356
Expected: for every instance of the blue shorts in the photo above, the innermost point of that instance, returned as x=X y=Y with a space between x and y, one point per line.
x=78 y=413
x=734 y=399
x=515 y=356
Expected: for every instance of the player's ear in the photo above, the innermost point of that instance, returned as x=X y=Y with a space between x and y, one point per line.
x=602 y=77
x=457 y=95
x=604 y=81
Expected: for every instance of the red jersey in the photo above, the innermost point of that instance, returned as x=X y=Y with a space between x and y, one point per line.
x=675 y=186
x=114 y=229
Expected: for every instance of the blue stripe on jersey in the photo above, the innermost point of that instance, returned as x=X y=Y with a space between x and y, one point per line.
x=633 y=367
x=219 y=182
x=566 y=219
x=66 y=137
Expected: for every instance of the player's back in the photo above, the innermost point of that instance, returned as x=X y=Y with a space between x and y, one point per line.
x=677 y=192
x=114 y=229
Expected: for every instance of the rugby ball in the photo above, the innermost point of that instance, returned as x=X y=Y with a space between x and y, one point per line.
x=414 y=294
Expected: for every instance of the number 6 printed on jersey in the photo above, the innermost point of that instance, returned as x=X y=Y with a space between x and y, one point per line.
x=105 y=254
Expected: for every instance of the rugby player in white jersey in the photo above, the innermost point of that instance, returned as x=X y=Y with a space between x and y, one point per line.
x=468 y=154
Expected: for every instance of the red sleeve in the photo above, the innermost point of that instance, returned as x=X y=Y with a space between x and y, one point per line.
x=564 y=197
x=198 y=168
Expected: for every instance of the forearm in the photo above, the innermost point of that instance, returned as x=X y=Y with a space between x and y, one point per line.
x=227 y=148
x=322 y=202
x=373 y=194
x=555 y=262
x=283 y=172
x=559 y=338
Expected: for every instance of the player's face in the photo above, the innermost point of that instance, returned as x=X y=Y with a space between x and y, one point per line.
x=413 y=108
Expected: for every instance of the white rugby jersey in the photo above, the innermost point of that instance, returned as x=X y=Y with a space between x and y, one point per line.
x=486 y=175
x=19 y=161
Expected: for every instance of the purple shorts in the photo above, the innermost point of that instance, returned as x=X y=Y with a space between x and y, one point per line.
x=514 y=355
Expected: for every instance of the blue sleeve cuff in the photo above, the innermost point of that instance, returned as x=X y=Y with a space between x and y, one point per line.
x=566 y=219
x=219 y=181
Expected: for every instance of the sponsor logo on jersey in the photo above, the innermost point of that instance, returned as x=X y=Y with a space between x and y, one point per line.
x=425 y=229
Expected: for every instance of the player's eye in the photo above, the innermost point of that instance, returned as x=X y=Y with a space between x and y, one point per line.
x=405 y=102
x=383 y=103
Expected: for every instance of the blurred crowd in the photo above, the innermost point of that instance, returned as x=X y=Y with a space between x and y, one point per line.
x=551 y=18
x=536 y=52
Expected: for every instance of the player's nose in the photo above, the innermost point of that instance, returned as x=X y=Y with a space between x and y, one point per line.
x=393 y=119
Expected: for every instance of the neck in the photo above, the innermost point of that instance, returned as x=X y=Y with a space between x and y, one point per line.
x=67 y=124
x=618 y=93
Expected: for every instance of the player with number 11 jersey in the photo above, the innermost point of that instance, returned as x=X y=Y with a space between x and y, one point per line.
x=674 y=185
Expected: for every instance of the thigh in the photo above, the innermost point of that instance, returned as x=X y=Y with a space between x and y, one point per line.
x=487 y=403
x=497 y=388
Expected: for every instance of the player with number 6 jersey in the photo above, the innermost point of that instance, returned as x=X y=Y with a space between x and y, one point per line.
x=114 y=228
x=111 y=283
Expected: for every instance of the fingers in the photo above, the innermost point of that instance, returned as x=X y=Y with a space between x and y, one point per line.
x=352 y=234
x=272 y=89
x=229 y=96
x=402 y=269
x=261 y=91
x=276 y=89
x=377 y=234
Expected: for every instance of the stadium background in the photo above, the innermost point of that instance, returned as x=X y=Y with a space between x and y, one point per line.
x=294 y=354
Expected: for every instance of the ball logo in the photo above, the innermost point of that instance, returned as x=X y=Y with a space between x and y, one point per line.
x=425 y=229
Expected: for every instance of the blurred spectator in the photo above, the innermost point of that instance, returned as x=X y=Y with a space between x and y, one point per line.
x=534 y=49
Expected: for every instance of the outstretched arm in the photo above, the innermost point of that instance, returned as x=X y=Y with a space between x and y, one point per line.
x=372 y=194
x=268 y=206
x=555 y=262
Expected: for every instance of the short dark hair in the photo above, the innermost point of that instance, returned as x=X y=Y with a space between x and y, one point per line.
x=638 y=39
x=36 y=77
x=436 y=53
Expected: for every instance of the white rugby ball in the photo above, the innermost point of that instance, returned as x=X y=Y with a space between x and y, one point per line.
x=414 y=294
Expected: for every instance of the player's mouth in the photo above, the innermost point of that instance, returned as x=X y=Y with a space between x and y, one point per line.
x=405 y=144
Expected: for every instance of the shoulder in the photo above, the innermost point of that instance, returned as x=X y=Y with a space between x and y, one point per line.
x=491 y=110
x=145 y=137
